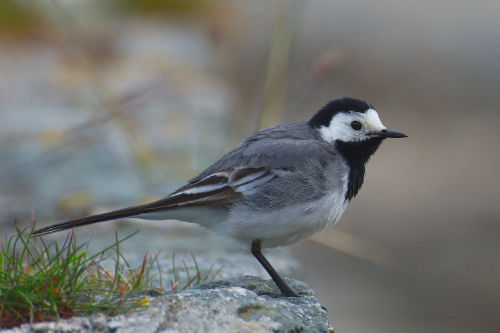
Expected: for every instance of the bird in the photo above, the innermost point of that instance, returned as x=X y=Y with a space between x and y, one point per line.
x=278 y=186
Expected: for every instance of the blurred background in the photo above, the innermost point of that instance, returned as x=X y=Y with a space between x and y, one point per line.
x=111 y=103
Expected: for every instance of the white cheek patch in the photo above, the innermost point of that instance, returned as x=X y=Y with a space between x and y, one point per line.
x=340 y=126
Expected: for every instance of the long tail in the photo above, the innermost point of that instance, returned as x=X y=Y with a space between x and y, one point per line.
x=179 y=198
x=116 y=214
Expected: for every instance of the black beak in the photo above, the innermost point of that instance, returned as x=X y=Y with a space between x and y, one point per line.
x=387 y=133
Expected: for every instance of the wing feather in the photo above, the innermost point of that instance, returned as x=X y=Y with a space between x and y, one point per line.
x=218 y=188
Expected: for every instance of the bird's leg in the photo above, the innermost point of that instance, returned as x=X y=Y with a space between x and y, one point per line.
x=284 y=288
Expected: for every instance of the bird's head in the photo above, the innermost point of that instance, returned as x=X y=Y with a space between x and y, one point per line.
x=350 y=120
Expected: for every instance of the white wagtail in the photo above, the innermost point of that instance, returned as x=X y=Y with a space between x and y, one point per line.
x=279 y=186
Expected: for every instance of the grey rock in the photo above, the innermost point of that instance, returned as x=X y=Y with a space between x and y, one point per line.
x=238 y=305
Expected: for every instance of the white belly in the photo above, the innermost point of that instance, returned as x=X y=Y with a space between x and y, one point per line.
x=285 y=226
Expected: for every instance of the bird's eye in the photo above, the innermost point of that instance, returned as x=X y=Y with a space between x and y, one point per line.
x=356 y=125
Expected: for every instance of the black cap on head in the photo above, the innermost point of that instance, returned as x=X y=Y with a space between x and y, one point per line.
x=345 y=104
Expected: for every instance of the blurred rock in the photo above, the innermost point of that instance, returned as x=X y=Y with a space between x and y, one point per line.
x=139 y=123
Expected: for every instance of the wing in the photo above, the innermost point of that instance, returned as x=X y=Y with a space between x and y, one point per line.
x=269 y=157
x=217 y=188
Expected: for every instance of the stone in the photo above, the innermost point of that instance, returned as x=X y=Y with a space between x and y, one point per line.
x=236 y=305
